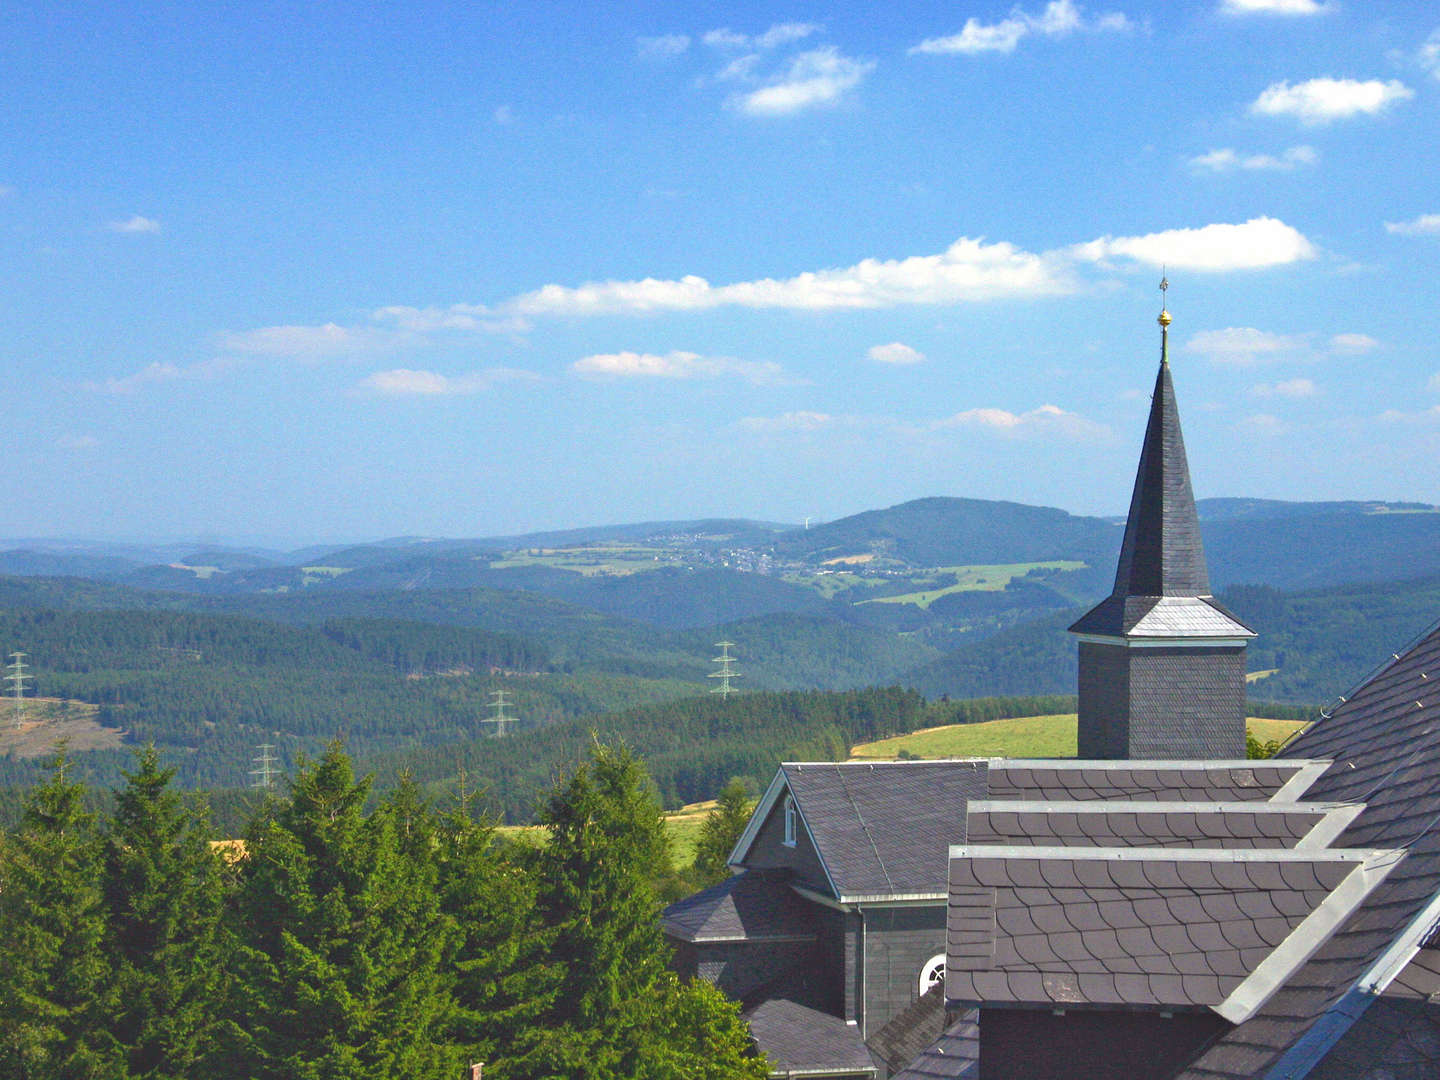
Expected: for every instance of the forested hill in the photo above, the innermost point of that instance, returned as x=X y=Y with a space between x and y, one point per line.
x=1311 y=646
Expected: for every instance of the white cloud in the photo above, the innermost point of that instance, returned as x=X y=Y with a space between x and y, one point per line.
x=674 y=365
x=503 y=115
x=1353 y=344
x=1276 y=7
x=1290 y=388
x=895 y=353
x=1424 y=225
x=1263 y=424
x=404 y=382
x=135 y=224
x=1319 y=101
x=149 y=375
x=77 y=442
x=663 y=47
x=1429 y=54
x=1434 y=383
x=968 y=270
x=1228 y=160
x=308 y=342
x=799 y=420
x=1045 y=421
x=1245 y=345
x=813 y=79
x=1257 y=244
x=454 y=317
x=777 y=35
x=1060 y=17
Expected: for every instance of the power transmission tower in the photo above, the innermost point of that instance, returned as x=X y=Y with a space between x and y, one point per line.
x=17 y=678
x=727 y=670
x=501 y=721
x=267 y=767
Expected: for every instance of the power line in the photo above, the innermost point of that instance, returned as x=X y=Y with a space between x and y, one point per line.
x=17 y=678
x=267 y=767
x=727 y=670
x=499 y=718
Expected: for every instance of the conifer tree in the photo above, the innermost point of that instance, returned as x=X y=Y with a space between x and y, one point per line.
x=164 y=893
x=339 y=970
x=620 y=1014
x=55 y=984
x=719 y=832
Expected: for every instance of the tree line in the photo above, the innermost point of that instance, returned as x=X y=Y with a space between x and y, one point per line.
x=345 y=938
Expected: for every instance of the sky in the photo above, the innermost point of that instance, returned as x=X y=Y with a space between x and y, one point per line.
x=295 y=273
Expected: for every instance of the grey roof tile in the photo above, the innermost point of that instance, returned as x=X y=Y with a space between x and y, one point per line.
x=953 y=1056
x=754 y=906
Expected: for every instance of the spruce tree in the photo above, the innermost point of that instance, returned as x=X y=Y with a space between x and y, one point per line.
x=339 y=968
x=56 y=985
x=164 y=894
x=719 y=832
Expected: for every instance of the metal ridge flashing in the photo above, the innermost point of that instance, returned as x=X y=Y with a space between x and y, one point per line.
x=1162 y=854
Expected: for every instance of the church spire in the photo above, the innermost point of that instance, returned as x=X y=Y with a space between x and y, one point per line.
x=1161 y=613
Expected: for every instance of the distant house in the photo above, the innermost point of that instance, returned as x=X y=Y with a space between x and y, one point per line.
x=1160 y=909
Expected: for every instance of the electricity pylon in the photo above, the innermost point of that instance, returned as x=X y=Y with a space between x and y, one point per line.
x=501 y=721
x=727 y=670
x=17 y=678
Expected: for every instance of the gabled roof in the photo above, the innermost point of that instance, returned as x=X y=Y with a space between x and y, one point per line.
x=754 y=906
x=1162 y=559
x=881 y=828
x=953 y=1056
x=1158 y=824
x=1385 y=741
x=1144 y=927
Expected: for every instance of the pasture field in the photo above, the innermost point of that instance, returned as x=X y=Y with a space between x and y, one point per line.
x=1027 y=736
x=683 y=825
x=971 y=579
x=593 y=559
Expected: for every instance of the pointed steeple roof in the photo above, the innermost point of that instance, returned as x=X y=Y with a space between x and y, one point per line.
x=1162 y=554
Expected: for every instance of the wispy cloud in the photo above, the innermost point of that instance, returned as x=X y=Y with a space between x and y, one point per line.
x=895 y=353
x=504 y=115
x=1059 y=18
x=135 y=224
x=1424 y=225
x=1044 y=421
x=800 y=420
x=1245 y=346
x=675 y=365
x=149 y=375
x=1429 y=54
x=663 y=47
x=1276 y=7
x=1228 y=160
x=1319 y=101
x=1290 y=388
x=405 y=382
x=77 y=443
x=968 y=270
x=777 y=35
x=815 y=79
x=1353 y=344
x=1256 y=244
x=310 y=343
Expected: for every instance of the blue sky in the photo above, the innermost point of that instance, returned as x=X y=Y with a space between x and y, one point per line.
x=304 y=272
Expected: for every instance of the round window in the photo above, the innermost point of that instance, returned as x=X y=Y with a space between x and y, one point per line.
x=932 y=974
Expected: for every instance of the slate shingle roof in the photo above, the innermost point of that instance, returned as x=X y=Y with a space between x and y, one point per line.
x=1162 y=559
x=1137 y=927
x=954 y=1056
x=1156 y=824
x=1385 y=742
x=883 y=829
x=1170 y=781
x=754 y=906
x=797 y=1027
